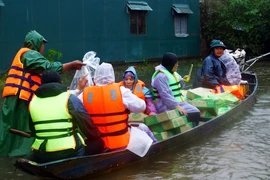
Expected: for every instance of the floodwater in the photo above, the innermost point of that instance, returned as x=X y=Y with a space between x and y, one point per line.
x=239 y=150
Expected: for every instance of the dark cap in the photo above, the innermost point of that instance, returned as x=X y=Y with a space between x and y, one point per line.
x=217 y=43
x=50 y=76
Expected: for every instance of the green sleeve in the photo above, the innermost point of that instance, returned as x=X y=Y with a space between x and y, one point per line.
x=33 y=60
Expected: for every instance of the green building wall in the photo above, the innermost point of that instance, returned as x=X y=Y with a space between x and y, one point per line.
x=75 y=27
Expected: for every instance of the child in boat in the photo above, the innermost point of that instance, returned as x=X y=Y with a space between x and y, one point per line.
x=131 y=81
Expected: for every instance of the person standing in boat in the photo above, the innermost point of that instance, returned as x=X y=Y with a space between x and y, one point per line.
x=167 y=83
x=22 y=80
x=109 y=104
x=56 y=116
x=213 y=71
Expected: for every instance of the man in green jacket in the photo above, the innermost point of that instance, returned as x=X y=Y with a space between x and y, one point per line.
x=23 y=78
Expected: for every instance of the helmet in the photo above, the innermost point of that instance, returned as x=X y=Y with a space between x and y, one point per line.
x=217 y=43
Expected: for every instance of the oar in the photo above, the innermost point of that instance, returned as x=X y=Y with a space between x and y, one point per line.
x=20 y=133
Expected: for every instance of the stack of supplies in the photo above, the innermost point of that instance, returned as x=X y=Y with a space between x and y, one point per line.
x=167 y=124
x=139 y=117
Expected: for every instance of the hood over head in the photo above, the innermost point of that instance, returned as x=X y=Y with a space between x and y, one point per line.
x=104 y=74
x=131 y=71
x=33 y=40
x=169 y=60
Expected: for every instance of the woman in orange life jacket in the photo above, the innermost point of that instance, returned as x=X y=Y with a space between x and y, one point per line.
x=131 y=81
x=107 y=104
x=22 y=81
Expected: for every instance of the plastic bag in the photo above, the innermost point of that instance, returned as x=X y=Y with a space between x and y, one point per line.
x=91 y=64
x=139 y=142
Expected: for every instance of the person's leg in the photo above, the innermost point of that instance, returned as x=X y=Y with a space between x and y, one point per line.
x=94 y=146
x=193 y=113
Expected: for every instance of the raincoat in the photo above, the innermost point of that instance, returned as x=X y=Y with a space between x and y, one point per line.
x=14 y=113
x=167 y=100
x=150 y=106
x=211 y=74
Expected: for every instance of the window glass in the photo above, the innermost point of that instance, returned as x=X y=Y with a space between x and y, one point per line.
x=137 y=22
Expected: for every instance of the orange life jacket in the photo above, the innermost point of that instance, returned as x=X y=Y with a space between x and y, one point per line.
x=238 y=90
x=138 y=89
x=20 y=80
x=105 y=106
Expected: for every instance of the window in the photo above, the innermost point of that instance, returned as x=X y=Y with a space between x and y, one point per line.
x=137 y=22
x=180 y=24
x=138 y=11
x=181 y=12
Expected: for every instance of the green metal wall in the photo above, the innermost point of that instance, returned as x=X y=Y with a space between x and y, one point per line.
x=77 y=26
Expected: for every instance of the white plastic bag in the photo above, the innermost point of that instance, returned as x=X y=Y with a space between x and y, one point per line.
x=139 y=142
x=91 y=64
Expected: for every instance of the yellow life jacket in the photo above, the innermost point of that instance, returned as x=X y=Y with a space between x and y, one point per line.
x=174 y=83
x=53 y=124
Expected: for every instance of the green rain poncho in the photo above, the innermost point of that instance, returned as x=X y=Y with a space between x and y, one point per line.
x=14 y=113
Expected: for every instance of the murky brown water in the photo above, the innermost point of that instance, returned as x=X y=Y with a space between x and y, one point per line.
x=238 y=151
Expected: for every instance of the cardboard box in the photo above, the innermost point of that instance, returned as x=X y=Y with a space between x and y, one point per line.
x=181 y=129
x=207 y=114
x=150 y=120
x=139 y=117
x=205 y=104
x=162 y=135
x=169 y=124
x=198 y=93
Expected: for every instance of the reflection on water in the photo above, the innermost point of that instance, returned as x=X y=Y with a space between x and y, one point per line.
x=238 y=151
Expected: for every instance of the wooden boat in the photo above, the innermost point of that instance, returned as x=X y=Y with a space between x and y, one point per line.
x=93 y=165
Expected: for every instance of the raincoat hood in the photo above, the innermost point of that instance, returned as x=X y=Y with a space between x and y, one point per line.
x=132 y=70
x=33 y=40
x=104 y=74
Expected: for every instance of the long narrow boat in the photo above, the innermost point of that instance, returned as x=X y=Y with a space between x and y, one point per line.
x=94 y=165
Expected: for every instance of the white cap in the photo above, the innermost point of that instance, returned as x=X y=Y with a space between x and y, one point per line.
x=104 y=74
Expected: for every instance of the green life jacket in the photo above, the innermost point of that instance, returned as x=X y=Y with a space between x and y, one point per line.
x=52 y=122
x=174 y=83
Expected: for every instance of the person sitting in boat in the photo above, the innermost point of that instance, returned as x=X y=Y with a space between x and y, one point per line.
x=233 y=73
x=131 y=81
x=108 y=105
x=212 y=73
x=22 y=80
x=56 y=116
x=166 y=83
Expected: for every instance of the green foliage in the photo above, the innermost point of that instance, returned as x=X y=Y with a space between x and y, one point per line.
x=53 y=55
x=239 y=23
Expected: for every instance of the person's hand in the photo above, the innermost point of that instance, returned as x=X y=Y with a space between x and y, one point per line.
x=186 y=78
x=181 y=110
x=82 y=82
x=152 y=114
x=77 y=64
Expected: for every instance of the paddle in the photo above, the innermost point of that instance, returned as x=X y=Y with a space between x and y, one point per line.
x=20 y=133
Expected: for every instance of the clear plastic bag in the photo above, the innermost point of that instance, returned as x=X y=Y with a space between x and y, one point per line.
x=91 y=64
